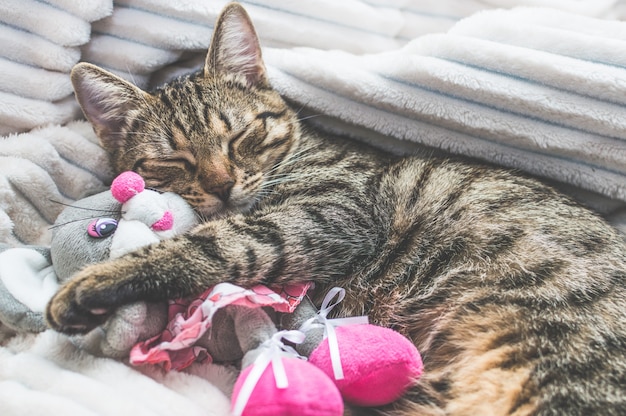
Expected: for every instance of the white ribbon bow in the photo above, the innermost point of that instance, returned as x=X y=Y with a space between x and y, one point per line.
x=329 y=327
x=273 y=351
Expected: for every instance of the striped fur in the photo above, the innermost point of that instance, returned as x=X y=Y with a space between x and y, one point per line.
x=514 y=294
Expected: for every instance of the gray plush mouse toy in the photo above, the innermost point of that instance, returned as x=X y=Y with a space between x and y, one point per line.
x=93 y=229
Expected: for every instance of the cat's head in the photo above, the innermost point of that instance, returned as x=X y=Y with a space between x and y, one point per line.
x=214 y=137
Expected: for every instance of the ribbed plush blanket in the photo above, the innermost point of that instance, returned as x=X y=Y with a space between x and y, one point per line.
x=536 y=85
x=538 y=90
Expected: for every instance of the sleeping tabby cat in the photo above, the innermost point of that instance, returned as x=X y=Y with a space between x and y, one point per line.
x=514 y=294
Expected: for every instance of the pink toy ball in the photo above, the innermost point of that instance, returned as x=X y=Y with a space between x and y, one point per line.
x=310 y=392
x=126 y=185
x=379 y=364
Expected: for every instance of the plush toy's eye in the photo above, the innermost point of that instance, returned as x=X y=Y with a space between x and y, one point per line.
x=102 y=227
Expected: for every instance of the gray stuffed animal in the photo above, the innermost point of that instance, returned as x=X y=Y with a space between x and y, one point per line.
x=96 y=228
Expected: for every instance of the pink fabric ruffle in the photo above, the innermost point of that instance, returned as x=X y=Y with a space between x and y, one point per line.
x=189 y=319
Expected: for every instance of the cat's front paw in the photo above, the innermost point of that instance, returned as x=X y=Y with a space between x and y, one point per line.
x=83 y=303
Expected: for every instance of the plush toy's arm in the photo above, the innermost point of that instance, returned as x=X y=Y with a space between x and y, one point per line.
x=17 y=316
x=129 y=325
x=27 y=282
x=235 y=331
x=305 y=311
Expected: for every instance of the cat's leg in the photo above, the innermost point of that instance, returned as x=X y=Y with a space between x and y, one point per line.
x=153 y=272
x=294 y=244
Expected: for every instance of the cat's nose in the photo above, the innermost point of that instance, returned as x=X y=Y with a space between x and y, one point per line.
x=222 y=191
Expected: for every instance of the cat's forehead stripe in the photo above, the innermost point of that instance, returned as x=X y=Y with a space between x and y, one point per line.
x=225 y=120
x=219 y=124
x=179 y=140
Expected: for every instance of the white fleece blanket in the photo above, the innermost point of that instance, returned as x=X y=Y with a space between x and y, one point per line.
x=42 y=170
x=171 y=28
x=39 y=44
x=539 y=90
x=46 y=374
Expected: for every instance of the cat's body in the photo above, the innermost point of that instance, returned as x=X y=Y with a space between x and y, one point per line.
x=514 y=295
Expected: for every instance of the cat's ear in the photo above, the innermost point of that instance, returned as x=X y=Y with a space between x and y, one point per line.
x=106 y=100
x=235 y=48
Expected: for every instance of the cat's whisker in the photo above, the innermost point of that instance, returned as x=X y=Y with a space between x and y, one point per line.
x=143 y=147
x=290 y=160
x=131 y=76
x=104 y=211
x=310 y=117
x=52 y=227
x=201 y=217
x=96 y=213
x=301 y=108
x=275 y=180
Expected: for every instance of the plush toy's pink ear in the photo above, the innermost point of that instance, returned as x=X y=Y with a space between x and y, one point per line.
x=127 y=185
x=379 y=364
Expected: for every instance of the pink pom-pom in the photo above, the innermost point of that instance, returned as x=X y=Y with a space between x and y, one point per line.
x=310 y=392
x=379 y=364
x=127 y=185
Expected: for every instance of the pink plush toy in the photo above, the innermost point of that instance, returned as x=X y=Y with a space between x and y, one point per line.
x=364 y=364
x=279 y=382
x=378 y=364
